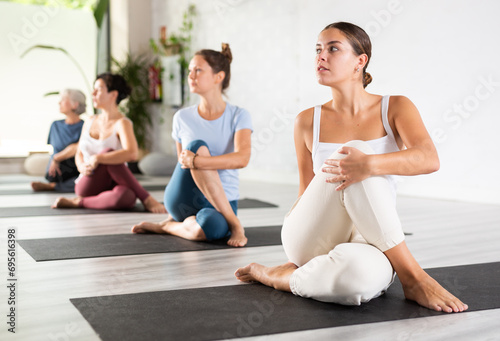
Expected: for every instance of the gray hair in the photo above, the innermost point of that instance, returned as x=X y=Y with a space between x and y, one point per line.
x=76 y=96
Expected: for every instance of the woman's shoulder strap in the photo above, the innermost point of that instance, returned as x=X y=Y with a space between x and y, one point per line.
x=385 y=118
x=316 y=126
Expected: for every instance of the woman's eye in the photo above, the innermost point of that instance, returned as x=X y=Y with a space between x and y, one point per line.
x=318 y=51
x=333 y=49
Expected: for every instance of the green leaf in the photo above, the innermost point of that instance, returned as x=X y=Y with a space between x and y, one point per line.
x=99 y=11
x=51 y=93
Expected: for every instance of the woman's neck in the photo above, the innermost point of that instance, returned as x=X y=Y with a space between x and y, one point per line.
x=110 y=113
x=350 y=98
x=72 y=118
x=211 y=105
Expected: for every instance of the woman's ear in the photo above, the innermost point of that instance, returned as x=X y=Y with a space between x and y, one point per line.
x=219 y=77
x=114 y=93
x=74 y=105
x=362 y=60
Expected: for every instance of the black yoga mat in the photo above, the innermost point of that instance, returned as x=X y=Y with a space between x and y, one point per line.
x=33 y=211
x=135 y=244
x=252 y=310
x=24 y=191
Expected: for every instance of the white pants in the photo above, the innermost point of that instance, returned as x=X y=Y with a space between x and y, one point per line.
x=320 y=235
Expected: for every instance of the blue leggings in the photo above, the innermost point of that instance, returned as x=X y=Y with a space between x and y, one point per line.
x=183 y=199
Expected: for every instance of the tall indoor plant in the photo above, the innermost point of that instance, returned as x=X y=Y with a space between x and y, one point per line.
x=135 y=71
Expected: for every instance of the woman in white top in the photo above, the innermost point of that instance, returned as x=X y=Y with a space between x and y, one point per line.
x=107 y=142
x=343 y=236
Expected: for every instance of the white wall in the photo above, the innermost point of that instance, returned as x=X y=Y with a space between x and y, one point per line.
x=130 y=31
x=441 y=54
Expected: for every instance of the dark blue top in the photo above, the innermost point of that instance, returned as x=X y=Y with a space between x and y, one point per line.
x=62 y=135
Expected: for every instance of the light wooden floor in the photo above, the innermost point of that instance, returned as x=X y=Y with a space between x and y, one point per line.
x=444 y=234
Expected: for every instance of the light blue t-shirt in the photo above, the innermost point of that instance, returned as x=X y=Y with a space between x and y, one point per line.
x=188 y=126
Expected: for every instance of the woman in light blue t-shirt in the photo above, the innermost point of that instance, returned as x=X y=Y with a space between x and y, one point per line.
x=213 y=140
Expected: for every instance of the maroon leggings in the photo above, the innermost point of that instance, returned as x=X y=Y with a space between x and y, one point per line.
x=110 y=187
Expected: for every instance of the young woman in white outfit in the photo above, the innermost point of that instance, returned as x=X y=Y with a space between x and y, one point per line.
x=343 y=236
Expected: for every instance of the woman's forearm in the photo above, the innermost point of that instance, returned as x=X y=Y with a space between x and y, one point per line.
x=234 y=160
x=413 y=161
x=66 y=153
x=117 y=157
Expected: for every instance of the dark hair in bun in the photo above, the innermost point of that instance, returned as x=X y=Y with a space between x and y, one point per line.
x=116 y=82
x=219 y=61
x=360 y=43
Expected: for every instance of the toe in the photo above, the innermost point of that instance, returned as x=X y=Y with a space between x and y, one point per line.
x=138 y=228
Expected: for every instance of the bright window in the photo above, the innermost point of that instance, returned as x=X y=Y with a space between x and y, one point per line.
x=25 y=114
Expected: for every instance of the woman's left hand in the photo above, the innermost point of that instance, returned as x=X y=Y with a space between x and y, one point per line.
x=93 y=162
x=349 y=170
x=186 y=159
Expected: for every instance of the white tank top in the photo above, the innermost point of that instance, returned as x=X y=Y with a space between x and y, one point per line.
x=386 y=144
x=90 y=146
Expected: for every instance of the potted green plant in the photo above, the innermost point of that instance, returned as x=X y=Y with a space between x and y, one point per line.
x=177 y=45
x=136 y=107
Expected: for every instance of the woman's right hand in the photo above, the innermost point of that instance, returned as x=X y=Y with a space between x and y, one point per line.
x=54 y=168
x=186 y=159
x=354 y=167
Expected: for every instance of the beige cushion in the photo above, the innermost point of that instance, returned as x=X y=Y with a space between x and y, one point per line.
x=157 y=164
x=36 y=164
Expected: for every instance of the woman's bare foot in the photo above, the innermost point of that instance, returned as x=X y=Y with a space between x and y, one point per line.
x=38 y=186
x=146 y=226
x=153 y=206
x=277 y=277
x=427 y=292
x=149 y=227
x=418 y=286
x=237 y=238
x=188 y=229
x=67 y=203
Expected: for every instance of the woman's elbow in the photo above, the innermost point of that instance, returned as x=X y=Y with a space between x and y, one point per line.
x=243 y=162
x=433 y=165
x=436 y=165
x=133 y=155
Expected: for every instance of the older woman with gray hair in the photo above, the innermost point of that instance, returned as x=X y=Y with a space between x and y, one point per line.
x=63 y=136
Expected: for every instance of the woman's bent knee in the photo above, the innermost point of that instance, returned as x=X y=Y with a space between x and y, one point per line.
x=195 y=145
x=106 y=150
x=362 y=146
